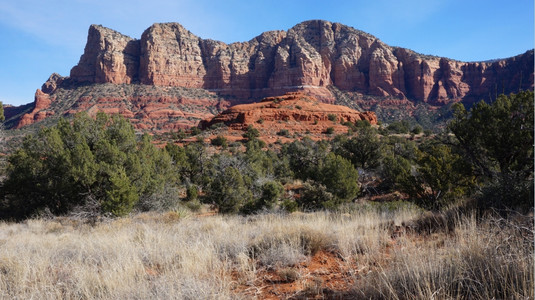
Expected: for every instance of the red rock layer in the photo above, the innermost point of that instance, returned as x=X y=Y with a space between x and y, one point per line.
x=295 y=112
x=149 y=108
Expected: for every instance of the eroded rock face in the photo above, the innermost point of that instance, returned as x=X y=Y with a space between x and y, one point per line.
x=109 y=57
x=39 y=112
x=312 y=55
x=148 y=108
x=328 y=61
x=42 y=102
x=295 y=112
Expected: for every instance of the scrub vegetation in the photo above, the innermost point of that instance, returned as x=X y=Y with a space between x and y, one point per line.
x=93 y=211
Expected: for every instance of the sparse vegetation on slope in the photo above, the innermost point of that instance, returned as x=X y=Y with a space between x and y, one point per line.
x=100 y=165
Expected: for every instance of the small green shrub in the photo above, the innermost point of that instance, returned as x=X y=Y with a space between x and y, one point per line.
x=290 y=205
x=283 y=132
x=350 y=125
x=195 y=131
x=331 y=117
x=363 y=124
x=417 y=129
x=251 y=133
x=314 y=196
x=219 y=141
x=399 y=127
x=218 y=125
x=192 y=192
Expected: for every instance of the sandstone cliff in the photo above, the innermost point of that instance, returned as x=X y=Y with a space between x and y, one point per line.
x=312 y=55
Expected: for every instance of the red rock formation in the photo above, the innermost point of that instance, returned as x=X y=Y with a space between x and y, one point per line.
x=295 y=112
x=109 y=57
x=39 y=112
x=151 y=108
x=43 y=99
x=312 y=55
x=315 y=57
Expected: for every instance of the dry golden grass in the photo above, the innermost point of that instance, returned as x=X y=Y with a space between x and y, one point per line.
x=170 y=256
x=482 y=259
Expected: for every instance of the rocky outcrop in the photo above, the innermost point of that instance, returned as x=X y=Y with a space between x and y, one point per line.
x=42 y=102
x=313 y=55
x=295 y=112
x=109 y=57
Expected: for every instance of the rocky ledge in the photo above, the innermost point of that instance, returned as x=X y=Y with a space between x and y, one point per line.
x=295 y=112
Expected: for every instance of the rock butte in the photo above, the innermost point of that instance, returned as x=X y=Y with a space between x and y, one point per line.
x=328 y=60
x=295 y=112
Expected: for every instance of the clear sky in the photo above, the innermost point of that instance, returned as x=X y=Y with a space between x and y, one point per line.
x=43 y=37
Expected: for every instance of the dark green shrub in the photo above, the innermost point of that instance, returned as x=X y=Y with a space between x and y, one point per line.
x=417 y=129
x=331 y=117
x=219 y=141
x=339 y=176
x=271 y=193
x=362 y=124
x=497 y=138
x=218 y=125
x=251 y=133
x=364 y=151
x=229 y=191
x=91 y=159
x=313 y=196
x=290 y=205
x=195 y=131
x=192 y=192
x=399 y=127
x=350 y=125
x=283 y=132
x=304 y=157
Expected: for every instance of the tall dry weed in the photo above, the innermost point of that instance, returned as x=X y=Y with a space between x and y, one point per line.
x=175 y=256
x=482 y=260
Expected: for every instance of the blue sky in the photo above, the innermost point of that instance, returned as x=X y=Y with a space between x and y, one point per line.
x=42 y=37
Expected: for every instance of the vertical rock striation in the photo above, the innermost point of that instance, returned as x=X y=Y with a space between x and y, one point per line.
x=109 y=57
x=312 y=55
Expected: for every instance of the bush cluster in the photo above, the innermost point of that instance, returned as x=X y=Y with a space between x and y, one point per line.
x=88 y=160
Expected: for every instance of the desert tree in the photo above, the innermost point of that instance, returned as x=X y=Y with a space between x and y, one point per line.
x=86 y=159
x=497 y=139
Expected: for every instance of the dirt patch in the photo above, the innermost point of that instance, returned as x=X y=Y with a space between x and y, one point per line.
x=325 y=274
